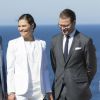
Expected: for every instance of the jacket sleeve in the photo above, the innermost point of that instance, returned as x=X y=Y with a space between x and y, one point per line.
x=10 y=68
x=91 y=61
x=47 y=83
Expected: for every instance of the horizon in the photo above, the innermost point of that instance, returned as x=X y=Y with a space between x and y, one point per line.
x=47 y=12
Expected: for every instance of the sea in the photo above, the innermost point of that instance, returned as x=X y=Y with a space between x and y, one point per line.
x=45 y=32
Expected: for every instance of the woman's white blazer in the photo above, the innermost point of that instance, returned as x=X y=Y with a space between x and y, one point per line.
x=17 y=67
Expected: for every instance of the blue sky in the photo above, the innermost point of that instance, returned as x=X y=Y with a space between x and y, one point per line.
x=46 y=12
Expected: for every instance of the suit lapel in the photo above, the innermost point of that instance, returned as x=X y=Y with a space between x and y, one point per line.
x=60 y=48
x=22 y=47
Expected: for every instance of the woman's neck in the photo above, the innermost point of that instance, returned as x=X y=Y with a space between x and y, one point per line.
x=30 y=38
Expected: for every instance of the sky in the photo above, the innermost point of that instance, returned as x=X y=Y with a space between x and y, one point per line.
x=46 y=12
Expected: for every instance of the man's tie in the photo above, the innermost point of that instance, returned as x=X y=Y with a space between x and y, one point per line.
x=66 y=47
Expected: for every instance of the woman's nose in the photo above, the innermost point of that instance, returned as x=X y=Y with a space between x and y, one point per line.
x=20 y=29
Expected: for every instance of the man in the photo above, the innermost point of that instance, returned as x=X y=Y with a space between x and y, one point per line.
x=73 y=60
x=0 y=68
x=2 y=75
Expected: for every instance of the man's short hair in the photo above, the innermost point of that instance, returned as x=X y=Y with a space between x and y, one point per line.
x=68 y=13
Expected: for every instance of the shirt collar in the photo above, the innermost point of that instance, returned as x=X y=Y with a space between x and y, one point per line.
x=72 y=34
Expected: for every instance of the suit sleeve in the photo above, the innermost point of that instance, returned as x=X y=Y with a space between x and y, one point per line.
x=10 y=68
x=0 y=57
x=91 y=61
x=52 y=57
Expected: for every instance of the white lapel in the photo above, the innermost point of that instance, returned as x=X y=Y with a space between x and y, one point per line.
x=22 y=50
x=22 y=47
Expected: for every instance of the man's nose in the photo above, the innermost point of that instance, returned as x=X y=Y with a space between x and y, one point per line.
x=64 y=28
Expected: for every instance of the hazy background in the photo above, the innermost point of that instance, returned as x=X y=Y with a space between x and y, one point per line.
x=46 y=12
x=46 y=15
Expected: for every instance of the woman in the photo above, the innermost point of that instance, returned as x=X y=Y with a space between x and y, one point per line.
x=27 y=72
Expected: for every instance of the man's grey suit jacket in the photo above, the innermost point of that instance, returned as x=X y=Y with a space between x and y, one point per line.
x=77 y=71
